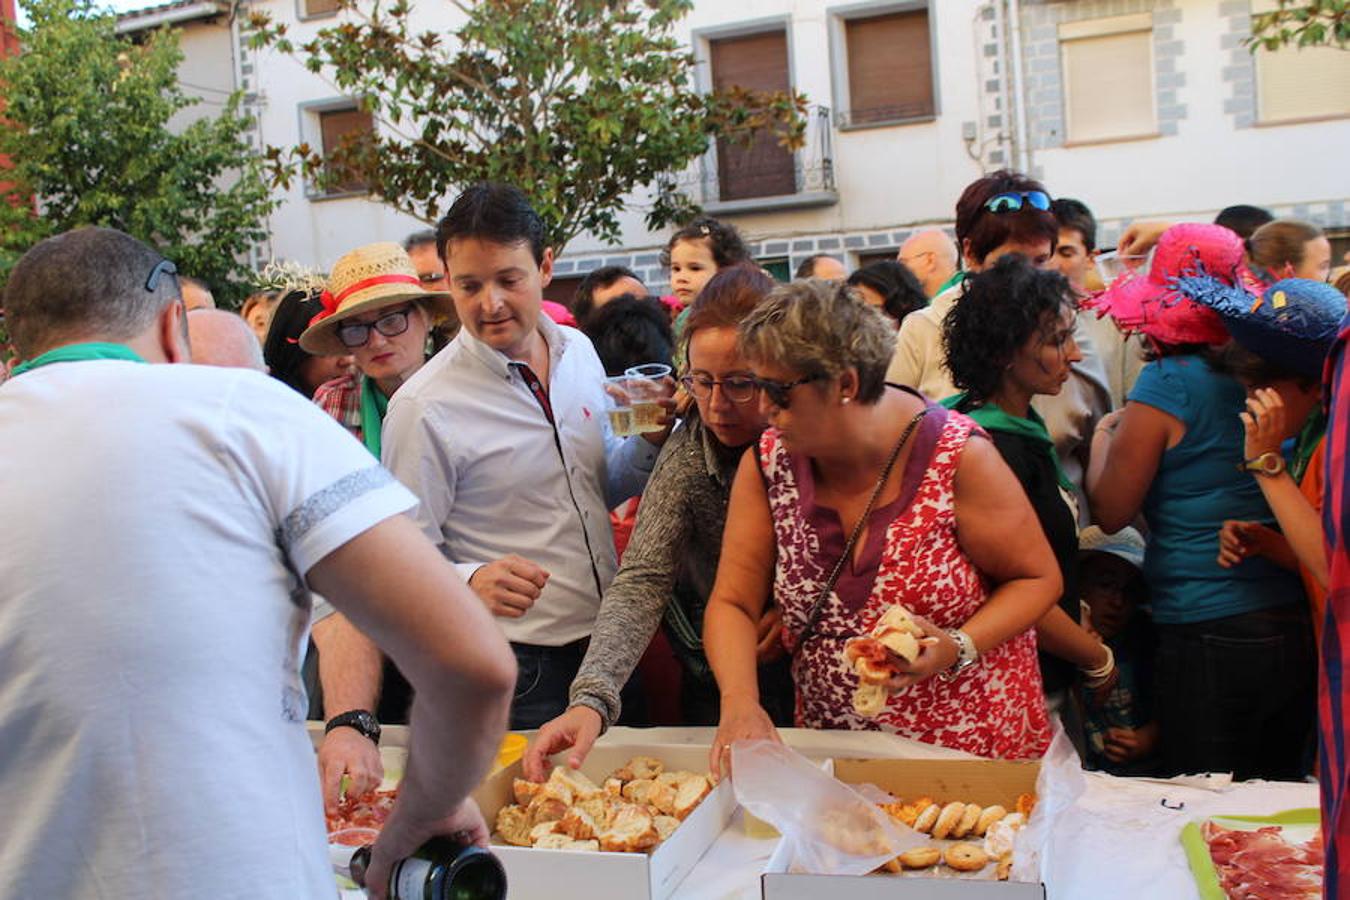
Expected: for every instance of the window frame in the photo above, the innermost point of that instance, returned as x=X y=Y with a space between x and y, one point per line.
x=1108 y=26
x=302 y=16
x=837 y=18
x=310 y=115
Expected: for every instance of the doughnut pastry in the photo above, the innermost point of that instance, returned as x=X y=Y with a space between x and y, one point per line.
x=920 y=857
x=948 y=819
x=969 y=819
x=990 y=815
x=965 y=857
x=927 y=817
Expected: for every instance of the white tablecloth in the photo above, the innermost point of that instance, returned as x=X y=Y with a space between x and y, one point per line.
x=1116 y=841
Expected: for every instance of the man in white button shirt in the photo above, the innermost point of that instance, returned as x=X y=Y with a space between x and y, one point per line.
x=504 y=438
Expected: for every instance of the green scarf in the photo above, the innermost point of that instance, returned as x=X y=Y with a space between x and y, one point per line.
x=78 y=353
x=992 y=418
x=957 y=277
x=1308 y=439
x=373 y=407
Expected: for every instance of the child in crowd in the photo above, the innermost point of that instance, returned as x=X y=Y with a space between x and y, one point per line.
x=694 y=254
x=1118 y=722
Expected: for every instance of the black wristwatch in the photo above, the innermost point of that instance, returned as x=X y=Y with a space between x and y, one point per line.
x=362 y=720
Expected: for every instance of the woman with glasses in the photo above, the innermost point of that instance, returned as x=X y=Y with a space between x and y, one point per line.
x=669 y=566
x=376 y=310
x=861 y=496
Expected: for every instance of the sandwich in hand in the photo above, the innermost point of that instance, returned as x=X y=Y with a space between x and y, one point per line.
x=874 y=658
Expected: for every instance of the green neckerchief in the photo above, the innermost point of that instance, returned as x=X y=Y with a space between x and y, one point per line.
x=1308 y=439
x=374 y=405
x=992 y=418
x=957 y=277
x=78 y=353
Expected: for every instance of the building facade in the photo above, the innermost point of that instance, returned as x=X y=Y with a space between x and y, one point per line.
x=1140 y=108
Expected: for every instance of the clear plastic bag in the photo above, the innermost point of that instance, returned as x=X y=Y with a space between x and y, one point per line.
x=1058 y=786
x=831 y=828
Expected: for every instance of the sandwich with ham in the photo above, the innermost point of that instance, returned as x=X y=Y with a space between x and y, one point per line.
x=874 y=658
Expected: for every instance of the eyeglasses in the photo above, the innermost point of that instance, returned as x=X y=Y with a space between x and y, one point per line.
x=431 y=277
x=163 y=267
x=391 y=324
x=1012 y=201
x=778 y=391
x=737 y=389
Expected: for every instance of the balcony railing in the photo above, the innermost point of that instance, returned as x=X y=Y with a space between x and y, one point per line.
x=733 y=177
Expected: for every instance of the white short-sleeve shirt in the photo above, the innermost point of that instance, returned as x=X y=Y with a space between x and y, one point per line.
x=152 y=520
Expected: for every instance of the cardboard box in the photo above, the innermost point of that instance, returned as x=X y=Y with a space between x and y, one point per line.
x=572 y=875
x=985 y=782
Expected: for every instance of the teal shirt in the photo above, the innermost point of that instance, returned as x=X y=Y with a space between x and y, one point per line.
x=1196 y=488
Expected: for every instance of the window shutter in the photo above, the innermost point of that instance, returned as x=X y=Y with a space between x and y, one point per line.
x=320 y=7
x=890 y=67
x=1108 y=86
x=1302 y=83
x=334 y=124
x=763 y=168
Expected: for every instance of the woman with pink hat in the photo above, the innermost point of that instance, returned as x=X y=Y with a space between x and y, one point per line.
x=1232 y=642
x=375 y=309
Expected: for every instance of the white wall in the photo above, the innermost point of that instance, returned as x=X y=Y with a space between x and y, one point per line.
x=1210 y=163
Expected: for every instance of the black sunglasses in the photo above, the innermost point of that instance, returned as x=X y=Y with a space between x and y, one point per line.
x=737 y=389
x=778 y=391
x=391 y=324
x=1012 y=201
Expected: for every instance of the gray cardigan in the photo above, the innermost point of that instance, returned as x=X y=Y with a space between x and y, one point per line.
x=672 y=555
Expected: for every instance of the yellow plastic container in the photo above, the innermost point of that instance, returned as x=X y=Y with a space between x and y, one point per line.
x=512 y=748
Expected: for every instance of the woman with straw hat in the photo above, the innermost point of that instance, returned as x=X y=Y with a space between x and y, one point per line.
x=376 y=310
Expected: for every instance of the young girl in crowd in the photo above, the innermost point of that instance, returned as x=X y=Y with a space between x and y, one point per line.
x=286 y=360
x=697 y=252
x=1234 y=644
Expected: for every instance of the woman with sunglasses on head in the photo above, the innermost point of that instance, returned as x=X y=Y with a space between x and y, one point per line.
x=376 y=310
x=862 y=496
x=669 y=566
x=1000 y=214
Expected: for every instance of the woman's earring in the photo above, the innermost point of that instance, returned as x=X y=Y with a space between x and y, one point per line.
x=845 y=400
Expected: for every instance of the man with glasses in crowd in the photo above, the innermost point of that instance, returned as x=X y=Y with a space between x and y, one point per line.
x=933 y=259
x=163 y=525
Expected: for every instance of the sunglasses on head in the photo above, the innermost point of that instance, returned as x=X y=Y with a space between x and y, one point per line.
x=1012 y=201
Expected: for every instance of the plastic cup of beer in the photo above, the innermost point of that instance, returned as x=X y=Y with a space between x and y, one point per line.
x=619 y=405
x=1111 y=265
x=648 y=385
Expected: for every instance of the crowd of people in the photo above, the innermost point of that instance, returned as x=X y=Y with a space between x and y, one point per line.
x=391 y=493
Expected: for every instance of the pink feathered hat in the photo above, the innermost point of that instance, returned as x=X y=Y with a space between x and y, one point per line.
x=1151 y=304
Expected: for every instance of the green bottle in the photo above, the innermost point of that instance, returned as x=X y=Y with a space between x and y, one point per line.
x=441 y=869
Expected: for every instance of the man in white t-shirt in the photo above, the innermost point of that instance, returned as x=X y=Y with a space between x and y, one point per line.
x=162 y=524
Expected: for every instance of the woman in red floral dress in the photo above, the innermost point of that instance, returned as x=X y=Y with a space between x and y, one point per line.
x=938 y=524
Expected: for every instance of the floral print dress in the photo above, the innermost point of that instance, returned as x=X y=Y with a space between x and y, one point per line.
x=911 y=556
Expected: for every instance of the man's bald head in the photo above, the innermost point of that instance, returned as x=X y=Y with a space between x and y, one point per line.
x=932 y=256
x=221 y=338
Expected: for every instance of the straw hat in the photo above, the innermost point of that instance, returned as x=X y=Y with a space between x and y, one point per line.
x=368 y=278
x=1151 y=303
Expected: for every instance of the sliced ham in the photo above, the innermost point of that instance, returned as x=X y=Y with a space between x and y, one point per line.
x=1262 y=864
